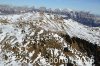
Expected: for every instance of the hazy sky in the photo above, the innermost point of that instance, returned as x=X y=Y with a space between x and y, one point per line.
x=86 y=5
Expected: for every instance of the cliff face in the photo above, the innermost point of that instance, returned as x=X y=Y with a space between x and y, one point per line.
x=35 y=39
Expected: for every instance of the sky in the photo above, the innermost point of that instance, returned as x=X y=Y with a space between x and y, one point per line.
x=93 y=6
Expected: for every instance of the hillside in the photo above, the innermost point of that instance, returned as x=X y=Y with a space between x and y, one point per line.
x=34 y=39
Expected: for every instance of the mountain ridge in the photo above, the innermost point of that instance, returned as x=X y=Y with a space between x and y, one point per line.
x=31 y=38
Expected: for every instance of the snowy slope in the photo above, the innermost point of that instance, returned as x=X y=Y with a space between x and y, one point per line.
x=13 y=33
x=73 y=28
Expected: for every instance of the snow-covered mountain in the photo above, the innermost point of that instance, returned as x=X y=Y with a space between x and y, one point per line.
x=35 y=39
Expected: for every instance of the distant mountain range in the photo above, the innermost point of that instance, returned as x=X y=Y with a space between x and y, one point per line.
x=82 y=17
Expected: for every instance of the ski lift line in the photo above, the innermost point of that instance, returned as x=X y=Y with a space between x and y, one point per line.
x=55 y=25
x=47 y=18
x=50 y=20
